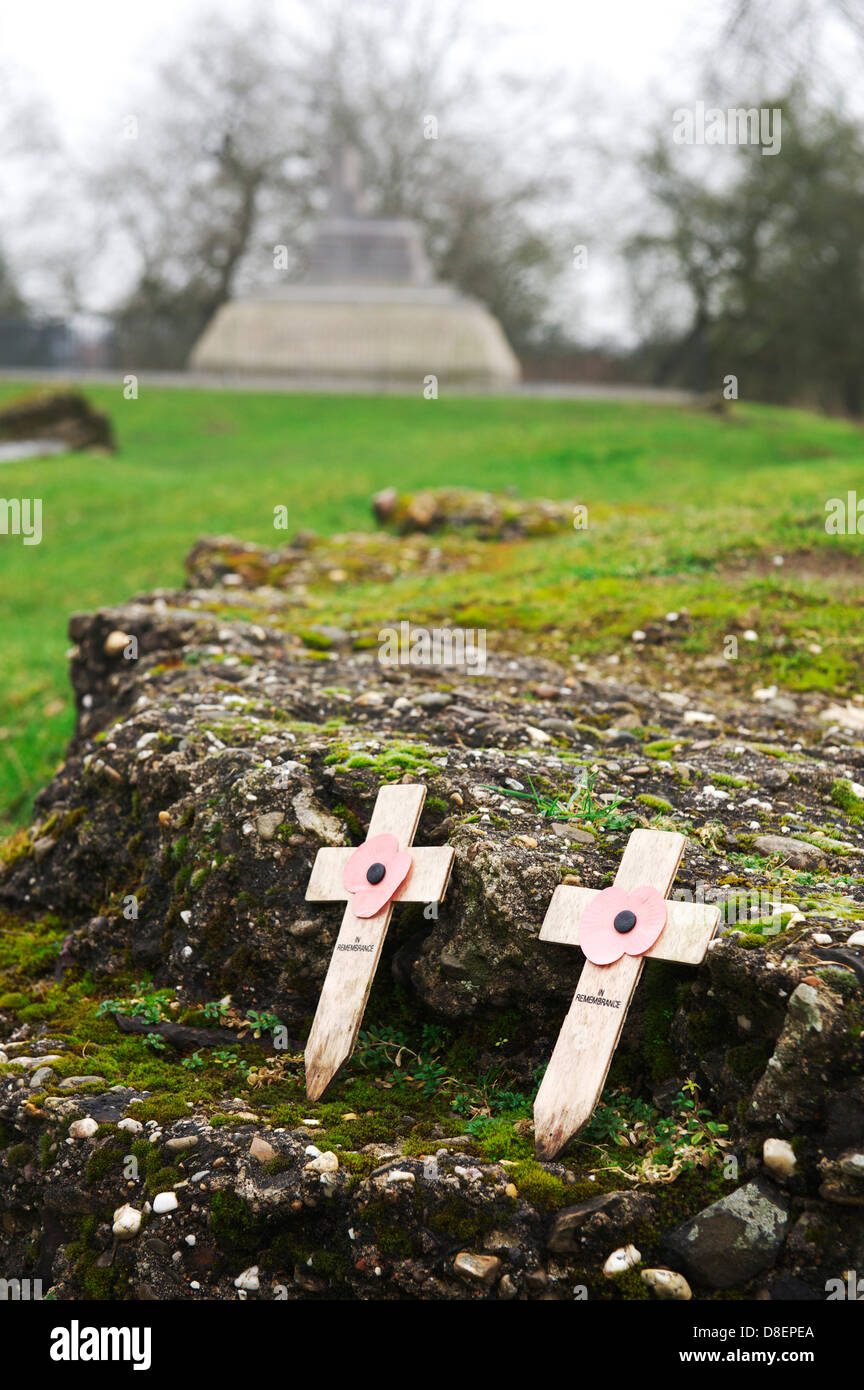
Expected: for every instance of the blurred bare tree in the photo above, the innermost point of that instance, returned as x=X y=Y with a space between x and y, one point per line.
x=772 y=264
x=229 y=152
x=751 y=265
x=12 y=305
x=26 y=139
x=787 y=43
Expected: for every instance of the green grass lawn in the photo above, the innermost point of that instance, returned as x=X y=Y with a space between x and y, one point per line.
x=686 y=508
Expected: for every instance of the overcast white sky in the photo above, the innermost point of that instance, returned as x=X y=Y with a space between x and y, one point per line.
x=87 y=58
x=87 y=53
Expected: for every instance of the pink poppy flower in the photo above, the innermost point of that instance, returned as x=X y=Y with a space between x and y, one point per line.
x=376 y=869
x=616 y=924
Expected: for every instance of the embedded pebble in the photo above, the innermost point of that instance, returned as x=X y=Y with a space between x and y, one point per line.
x=715 y=793
x=800 y=854
x=665 y=1283
x=324 y=1163
x=31 y=1063
x=116 y=642
x=164 y=1202
x=537 y=736
x=399 y=1175
x=779 y=1158
x=181 y=1144
x=574 y=833
x=482 y=1269
x=260 y=1149
x=248 y=1281
x=268 y=824
x=620 y=1260
x=83 y=1129
x=127 y=1222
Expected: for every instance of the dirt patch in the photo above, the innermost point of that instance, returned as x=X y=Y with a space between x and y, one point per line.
x=817 y=566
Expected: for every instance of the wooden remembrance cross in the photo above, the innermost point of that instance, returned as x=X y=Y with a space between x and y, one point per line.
x=583 y=1053
x=358 y=945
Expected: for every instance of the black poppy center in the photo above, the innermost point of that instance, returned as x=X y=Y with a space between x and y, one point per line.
x=625 y=921
x=376 y=872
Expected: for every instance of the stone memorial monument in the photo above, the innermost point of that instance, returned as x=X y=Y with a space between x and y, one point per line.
x=369 y=311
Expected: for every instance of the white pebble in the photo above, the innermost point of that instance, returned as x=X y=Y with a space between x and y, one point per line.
x=324 y=1163
x=83 y=1129
x=164 y=1202
x=667 y=1284
x=248 y=1281
x=620 y=1260
x=779 y=1158
x=127 y=1222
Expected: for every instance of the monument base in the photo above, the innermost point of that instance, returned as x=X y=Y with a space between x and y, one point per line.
x=376 y=334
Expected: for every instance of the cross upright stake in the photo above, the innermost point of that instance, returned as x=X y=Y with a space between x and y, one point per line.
x=358 y=945
x=589 y=1035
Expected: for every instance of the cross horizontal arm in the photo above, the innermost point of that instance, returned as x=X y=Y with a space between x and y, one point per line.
x=685 y=938
x=426 y=882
